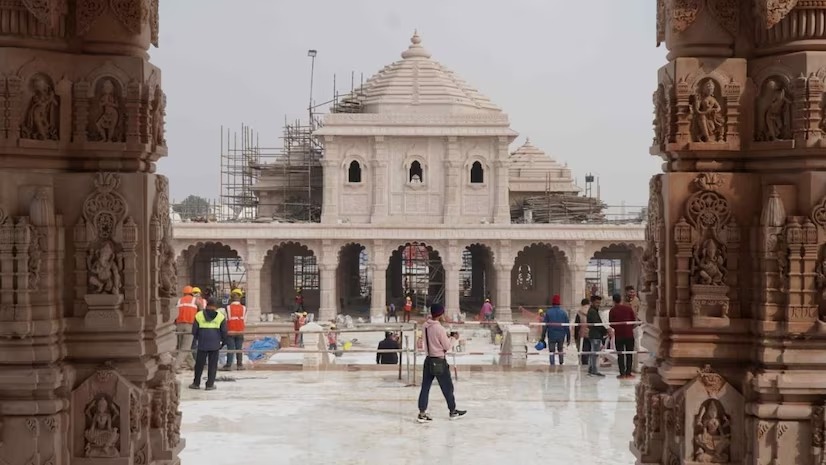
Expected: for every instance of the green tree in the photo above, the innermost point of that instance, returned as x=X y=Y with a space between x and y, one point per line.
x=192 y=207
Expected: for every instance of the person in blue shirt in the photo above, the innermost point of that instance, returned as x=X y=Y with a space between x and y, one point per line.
x=557 y=330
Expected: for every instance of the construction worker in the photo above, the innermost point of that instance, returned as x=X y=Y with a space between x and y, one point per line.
x=196 y=292
x=408 y=308
x=187 y=308
x=209 y=332
x=299 y=300
x=236 y=324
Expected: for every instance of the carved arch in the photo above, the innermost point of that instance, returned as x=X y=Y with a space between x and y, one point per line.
x=408 y=163
x=189 y=250
x=107 y=70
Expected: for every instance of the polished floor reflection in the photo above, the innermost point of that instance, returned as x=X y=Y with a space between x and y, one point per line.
x=367 y=417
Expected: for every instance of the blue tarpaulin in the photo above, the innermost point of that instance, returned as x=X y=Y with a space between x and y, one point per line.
x=258 y=346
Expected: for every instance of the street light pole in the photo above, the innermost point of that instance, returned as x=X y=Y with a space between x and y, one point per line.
x=311 y=53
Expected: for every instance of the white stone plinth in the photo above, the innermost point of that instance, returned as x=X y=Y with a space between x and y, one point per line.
x=514 y=346
x=314 y=343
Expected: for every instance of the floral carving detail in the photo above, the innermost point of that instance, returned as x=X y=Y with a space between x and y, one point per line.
x=106 y=208
x=132 y=14
x=31 y=425
x=712 y=381
x=35 y=258
x=660 y=22
x=683 y=13
x=154 y=22
x=773 y=11
x=51 y=423
x=141 y=456
x=46 y=11
x=819 y=213
x=727 y=13
x=817 y=426
x=135 y=409
x=86 y=13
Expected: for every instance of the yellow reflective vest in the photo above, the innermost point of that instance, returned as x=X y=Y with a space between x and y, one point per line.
x=214 y=324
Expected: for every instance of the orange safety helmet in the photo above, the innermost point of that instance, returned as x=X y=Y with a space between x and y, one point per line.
x=187 y=290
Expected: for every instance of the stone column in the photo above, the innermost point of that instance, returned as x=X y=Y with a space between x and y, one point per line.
x=328 y=308
x=378 y=266
x=381 y=181
x=331 y=169
x=503 y=293
x=752 y=218
x=253 y=291
x=502 y=212
x=87 y=268
x=452 y=289
x=452 y=163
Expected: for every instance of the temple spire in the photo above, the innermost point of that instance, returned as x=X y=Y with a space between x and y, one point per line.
x=415 y=50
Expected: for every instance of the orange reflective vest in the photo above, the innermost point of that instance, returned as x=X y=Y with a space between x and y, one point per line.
x=186 y=310
x=236 y=317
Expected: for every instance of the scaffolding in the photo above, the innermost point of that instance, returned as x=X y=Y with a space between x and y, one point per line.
x=423 y=275
x=238 y=175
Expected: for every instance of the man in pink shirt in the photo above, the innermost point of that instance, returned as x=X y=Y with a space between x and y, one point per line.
x=436 y=344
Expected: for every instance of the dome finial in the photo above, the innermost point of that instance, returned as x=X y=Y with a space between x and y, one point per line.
x=527 y=141
x=415 y=50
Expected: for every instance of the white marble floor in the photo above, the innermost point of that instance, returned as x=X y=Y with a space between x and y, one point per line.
x=367 y=417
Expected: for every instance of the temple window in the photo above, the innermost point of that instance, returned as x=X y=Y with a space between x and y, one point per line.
x=477 y=173
x=354 y=172
x=416 y=174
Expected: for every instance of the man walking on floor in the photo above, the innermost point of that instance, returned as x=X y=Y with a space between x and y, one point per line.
x=581 y=331
x=236 y=324
x=209 y=332
x=596 y=333
x=556 y=328
x=621 y=317
x=437 y=343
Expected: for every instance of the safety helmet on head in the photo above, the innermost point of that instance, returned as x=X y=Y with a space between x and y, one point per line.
x=196 y=290
x=237 y=292
x=187 y=290
x=304 y=314
x=487 y=300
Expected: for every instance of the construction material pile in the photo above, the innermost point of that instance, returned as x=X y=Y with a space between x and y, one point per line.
x=555 y=208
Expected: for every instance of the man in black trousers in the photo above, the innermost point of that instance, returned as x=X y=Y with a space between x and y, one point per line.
x=209 y=333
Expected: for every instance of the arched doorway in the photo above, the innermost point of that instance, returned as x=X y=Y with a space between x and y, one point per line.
x=476 y=277
x=353 y=280
x=538 y=273
x=288 y=268
x=215 y=267
x=611 y=269
x=415 y=270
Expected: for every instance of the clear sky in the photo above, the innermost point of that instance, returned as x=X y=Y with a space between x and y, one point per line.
x=574 y=76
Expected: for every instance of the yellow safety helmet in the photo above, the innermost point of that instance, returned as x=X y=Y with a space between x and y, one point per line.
x=541 y=311
x=237 y=292
x=196 y=290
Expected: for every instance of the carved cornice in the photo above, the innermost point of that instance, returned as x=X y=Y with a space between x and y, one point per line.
x=303 y=232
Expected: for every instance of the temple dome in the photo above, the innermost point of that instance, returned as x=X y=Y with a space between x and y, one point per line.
x=418 y=84
x=532 y=170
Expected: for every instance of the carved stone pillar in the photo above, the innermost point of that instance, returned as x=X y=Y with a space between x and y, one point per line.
x=329 y=205
x=501 y=211
x=328 y=308
x=378 y=290
x=87 y=270
x=452 y=179
x=253 y=290
x=735 y=252
x=380 y=181
x=503 y=293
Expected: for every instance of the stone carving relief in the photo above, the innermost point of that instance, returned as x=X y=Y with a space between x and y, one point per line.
x=102 y=427
x=819 y=213
x=131 y=14
x=708 y=119
x=660 y=22
x=105 y=241
x=105 y=266
x=712 y=433
x=108 y=113
x=662 y=124
x=101 y=433
x=157 y=118
x=154 y=21
x=682 y=13
x=168 y=267
x=818 y=433
x=773 y=11
x=707 y=238
x=774 y=111
x=42 y=118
